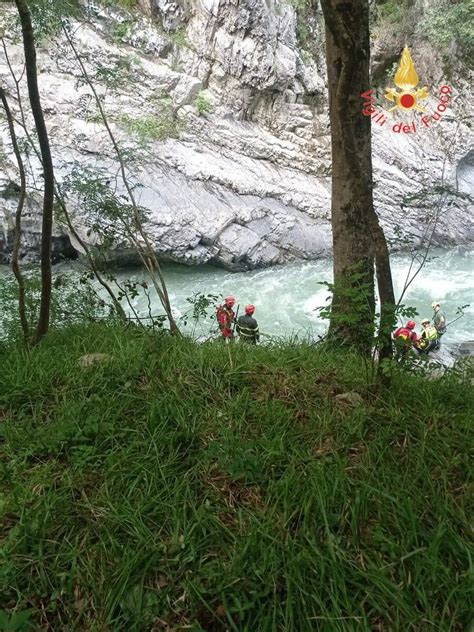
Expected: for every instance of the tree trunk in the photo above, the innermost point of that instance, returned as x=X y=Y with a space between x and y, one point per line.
x=19 y=210
x=48 y=172
x=348 y=56
x=386 y=293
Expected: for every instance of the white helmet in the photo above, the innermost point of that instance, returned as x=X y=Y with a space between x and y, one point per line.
x=425 y=320
x=435 y=304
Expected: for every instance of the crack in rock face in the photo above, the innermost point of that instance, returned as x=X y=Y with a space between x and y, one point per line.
x=229 y=116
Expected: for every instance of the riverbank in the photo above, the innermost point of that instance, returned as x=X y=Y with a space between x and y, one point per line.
x=173 y=485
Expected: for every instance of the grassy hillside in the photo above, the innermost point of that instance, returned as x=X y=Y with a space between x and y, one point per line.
x=184 y=487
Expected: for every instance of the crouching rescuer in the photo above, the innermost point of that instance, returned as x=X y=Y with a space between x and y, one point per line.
x=247 y=326
x=429 y=339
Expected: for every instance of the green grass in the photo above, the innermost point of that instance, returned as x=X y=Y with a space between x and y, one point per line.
x=187 y=487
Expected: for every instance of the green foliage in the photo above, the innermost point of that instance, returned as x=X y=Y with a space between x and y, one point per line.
x=353 y=296
x=446 y=24
x=303 y=8
x=16 y=622
x=124 y=4
x=201 y=305
x=390 y=72
x=303 y=32
x=390 y=11
x=201 y=487
x=115 y=72
x=153 y=127
x=300 y=5
x=425 y=196
x=203 y=104
x=93 y=117
x=73 y=301
x=10 y=190
x=48 y=16
x=306 y=56
x=180 y=38
x=3 y=154
x=120 y=30
x=107 y=213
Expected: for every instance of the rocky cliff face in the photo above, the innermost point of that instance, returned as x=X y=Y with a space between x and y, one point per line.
x=231 y=113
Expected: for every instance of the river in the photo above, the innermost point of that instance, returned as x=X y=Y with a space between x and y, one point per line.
x=287 y=297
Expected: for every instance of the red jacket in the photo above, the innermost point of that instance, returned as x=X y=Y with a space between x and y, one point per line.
x=406 y=334
x=225 y=318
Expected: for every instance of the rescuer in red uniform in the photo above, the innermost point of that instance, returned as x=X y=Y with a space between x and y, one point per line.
x=225 y=318
x=406 y=337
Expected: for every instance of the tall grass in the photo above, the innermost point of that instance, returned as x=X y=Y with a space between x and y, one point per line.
x=202 y=487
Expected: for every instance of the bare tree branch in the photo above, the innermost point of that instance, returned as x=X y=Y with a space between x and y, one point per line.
x=147 y=256
x=19 y=210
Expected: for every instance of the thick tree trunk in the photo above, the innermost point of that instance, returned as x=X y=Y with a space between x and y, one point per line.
x=19 y=210
x=348 y=56
x=48 y=172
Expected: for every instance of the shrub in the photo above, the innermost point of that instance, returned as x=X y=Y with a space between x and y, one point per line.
x=389 y=12
x=120 y=30
x=152 y=127
x=179 y=38
x=73 y=301
x=445 y=25
x=203 y=104
x=124 y=4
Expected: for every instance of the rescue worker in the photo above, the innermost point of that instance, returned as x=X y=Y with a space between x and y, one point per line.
x=247 y=326
x=439 y=319
x=429 y=339
x=225 y=317
x=406 y=337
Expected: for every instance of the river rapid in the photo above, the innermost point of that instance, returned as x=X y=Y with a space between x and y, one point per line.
x=287 y=297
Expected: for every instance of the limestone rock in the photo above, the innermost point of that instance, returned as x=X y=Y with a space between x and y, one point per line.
x=186 y=91
x=349 y=400
x=467 y=348
x=247 y=185
x=92 y=359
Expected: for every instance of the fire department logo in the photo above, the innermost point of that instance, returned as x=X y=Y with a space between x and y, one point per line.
x=406 y=98
x=406 y=78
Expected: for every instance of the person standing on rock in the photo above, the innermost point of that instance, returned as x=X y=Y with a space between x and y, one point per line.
x=247 y=326
x=225 y=317
x=439 y=319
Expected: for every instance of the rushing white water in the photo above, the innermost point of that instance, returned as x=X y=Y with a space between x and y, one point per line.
x=287 y=297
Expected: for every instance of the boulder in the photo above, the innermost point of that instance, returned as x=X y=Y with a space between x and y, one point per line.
x=466 y=348
x=93 y=359
x=349 y=400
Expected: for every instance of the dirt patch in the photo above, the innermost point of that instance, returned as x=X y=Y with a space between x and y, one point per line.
x=235 y=493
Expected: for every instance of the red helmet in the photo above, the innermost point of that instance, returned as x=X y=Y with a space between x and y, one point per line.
x=230 y=300
x=250 y=309
x=411 y=324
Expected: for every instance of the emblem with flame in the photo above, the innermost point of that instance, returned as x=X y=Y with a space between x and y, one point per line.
x=406 y=78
